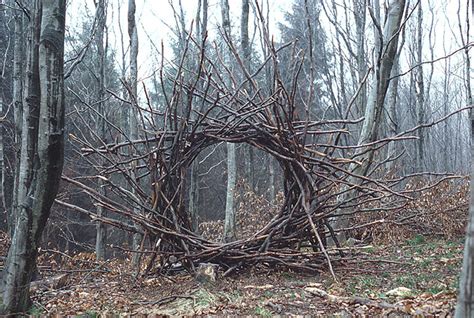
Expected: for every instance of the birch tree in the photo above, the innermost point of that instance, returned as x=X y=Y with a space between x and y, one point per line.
x=42 y=148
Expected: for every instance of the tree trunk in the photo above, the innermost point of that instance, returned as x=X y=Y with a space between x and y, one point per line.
x=248 y=151
x=43 y=132
x=229 y=223
x=465 y=304
x=18 y=88
x=376 y=99
x=359 y=18
x=392 y=119
x=230 y=217
x=420 y=91
x=132 y=33
x=380 y=83
x=101 y=232
x=194 y=170
x=7 y=156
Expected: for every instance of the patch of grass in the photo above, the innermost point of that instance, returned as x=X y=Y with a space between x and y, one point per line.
x=450 y=253
x=417 y=240
x=382 y=295
x=437 y=289
x=89 y=314
x=204 y=298
x=368 y=282
x=369 y=250
x=36 y=311
x=425 y=263
x=408 y=281
x=261 y=311
x=352 y=288
x=268 y=293
x=288 y=275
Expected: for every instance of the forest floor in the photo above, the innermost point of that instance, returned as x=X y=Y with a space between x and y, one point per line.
x=368 y=284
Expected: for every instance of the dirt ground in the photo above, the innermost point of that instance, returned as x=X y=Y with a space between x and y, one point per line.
x=369 y=283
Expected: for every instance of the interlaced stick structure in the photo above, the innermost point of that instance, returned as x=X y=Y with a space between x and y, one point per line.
x=212 y=102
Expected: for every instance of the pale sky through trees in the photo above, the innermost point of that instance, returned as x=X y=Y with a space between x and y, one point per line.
x=156 y=21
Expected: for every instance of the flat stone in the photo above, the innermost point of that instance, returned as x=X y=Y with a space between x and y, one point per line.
x=207 y=273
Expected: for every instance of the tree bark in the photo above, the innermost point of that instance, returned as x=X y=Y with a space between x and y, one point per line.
x=465 y=304
x=229 y=222
x=42 y=161
x=101 y=231
x=132 y=33
x=420 y=91
x=380 y=83
x=7 y=157
x=18 y=89
x=360 y=19
x=386 y=52
x=248 y=150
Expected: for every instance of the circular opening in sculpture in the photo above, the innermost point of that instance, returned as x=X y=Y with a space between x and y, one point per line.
x=257 y=196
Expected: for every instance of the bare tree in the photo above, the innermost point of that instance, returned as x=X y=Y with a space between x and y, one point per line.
x=201 y=28
x=465 y=304
x=6 y=113
x=42 y=146
x=384 y=62
x=386 y=45
x=420 y=89
x=133 y=134
x=101 y=17
x=229 y=223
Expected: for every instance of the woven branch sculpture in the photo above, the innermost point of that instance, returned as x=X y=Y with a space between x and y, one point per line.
x=219 y=100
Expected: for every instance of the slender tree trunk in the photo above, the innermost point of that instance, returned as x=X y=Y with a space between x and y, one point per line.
x=43 y=133
x=420 y=91
x=246 y=53
x=194 y=170
x=194 y=197
x=18 y=81
x=273 y=179
x=229 y=223
x=7 y=158
x=230 y=217
x=380 y=83
x=392 y=115
x=359 y=18
x=101 y=235
x=205 y=7
x=132 y=33
x=376 y=99
x=465 y=304
x=446 y=101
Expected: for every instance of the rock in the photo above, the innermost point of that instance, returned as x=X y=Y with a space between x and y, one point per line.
x=207 y=273
x=402 y=292
x=351 y=242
